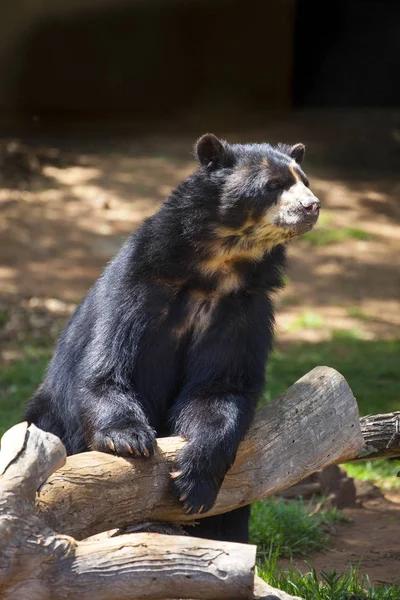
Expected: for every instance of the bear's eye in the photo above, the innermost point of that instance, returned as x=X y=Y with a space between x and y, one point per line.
x=273 y=185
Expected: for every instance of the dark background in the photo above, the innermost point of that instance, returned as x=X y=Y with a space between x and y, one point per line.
x=147 y=63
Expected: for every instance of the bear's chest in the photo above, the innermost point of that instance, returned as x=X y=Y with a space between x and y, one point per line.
x=197 y=314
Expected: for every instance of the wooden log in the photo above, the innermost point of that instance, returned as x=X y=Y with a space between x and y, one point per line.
x=39 y=564
x=313 y=424
x=151 y=565
x=263 y=591
x=382 y=436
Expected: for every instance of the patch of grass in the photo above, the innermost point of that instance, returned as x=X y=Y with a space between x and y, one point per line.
x=3 y=317
x=289 y=526
x=325 y=586
x=325 y=219
x=381 y=472
x=371 y=367
x=289 y=300
x=17 y=382
x=348 y=334
x=355 y=311
x=307 y=319
x=323 y=236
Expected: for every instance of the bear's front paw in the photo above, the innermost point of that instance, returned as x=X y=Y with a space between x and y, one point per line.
x=195 y=486
x=137 y=440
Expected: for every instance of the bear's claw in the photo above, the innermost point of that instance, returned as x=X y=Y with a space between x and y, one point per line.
x=131 y=441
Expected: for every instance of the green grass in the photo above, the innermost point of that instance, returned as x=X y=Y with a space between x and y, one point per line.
x=3 y=317
x=289 y=300
x=327 y=586
x=370 y=367
x=355 y=311
x=348 y=334
x=380 y=472
x=325 y=219
x=289 y=528
x=307 y=319
x=17 y=382
x=324 y=236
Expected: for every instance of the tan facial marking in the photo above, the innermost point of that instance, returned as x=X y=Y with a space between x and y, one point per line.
x=201 y=306
x=294 y=172
x=262 y=236
x=224 y=266
x=270 y=235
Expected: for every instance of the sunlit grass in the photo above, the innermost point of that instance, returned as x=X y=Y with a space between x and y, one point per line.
x=381 y=472
x=323 y=586
x=356 y=312
x=307 y=319
x=353 y=333
x=371 y=368
x=290 y=527
x=18 y=381
x=323 y=236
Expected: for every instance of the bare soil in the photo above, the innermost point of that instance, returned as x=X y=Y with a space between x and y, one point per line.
x=59 y=224
x=67 y=210
x=370 y=541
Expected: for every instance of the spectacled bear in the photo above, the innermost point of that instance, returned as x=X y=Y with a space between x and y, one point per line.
x=173 y=338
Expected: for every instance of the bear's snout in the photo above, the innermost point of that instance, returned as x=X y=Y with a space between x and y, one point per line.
x=310 y=205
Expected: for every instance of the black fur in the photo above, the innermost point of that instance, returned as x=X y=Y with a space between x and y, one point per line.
x=167 y=342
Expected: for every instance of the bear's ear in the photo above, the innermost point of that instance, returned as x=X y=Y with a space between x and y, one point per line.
x=210 y=150
x=297 y=152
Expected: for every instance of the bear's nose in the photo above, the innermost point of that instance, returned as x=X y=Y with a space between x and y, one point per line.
x=311 y=206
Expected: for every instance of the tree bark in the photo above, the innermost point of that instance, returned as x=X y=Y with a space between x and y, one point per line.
x=313 y=424
x=382 y=436
x=39 y=564
x=263 y=591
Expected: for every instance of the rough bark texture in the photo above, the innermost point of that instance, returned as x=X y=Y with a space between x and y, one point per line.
x=263 y=591
x=382 y=436
x=39 y=564
x=313 y=424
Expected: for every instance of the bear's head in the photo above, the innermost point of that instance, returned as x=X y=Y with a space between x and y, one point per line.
x=263 y=194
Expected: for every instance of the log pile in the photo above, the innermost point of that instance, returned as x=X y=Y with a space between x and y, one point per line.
x=45 y=550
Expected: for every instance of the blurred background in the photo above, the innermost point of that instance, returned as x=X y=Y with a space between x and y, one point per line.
x=101 y=102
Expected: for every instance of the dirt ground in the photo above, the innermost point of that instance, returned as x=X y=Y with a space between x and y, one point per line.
x=370 y=541
x=67 y=204
x=61 y=220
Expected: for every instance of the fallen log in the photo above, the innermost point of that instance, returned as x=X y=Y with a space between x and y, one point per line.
x=313 y=424
x=39 y=564
x=382 y=436
x=263 y=591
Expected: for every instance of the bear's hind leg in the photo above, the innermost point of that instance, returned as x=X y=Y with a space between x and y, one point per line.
x=229 y=527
